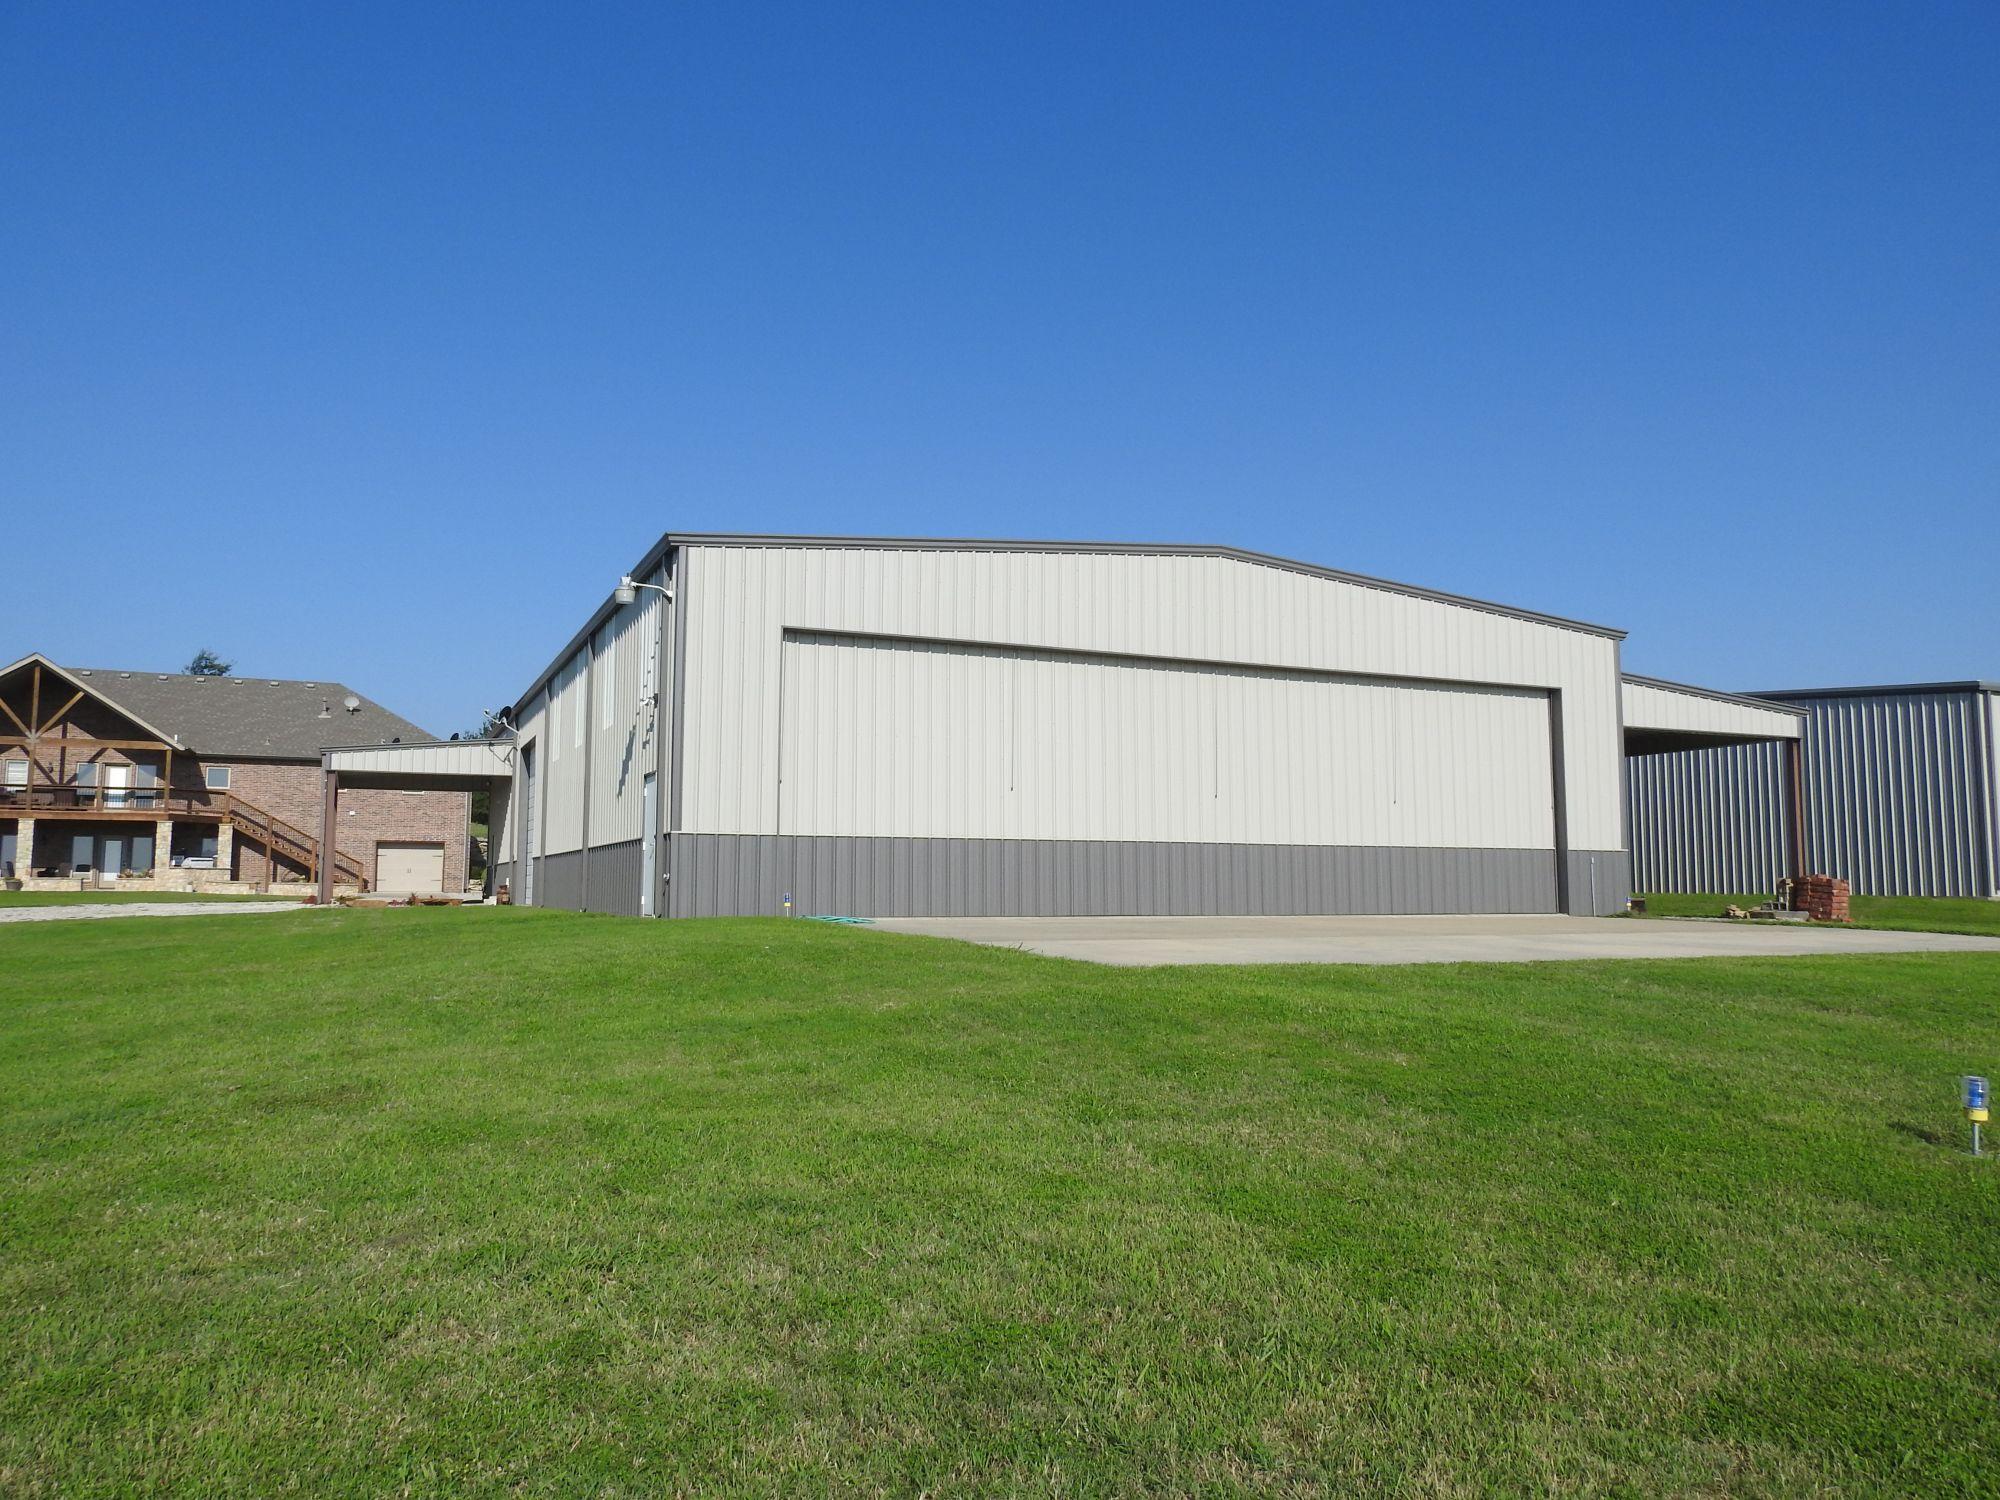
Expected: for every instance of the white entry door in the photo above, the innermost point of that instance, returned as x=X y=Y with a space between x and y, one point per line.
x=649 y=844
x=110 y=857
x=117 y=785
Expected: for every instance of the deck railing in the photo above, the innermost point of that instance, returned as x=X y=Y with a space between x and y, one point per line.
x=61 y=797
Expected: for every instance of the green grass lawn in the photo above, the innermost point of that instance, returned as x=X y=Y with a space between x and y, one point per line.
x=113 y=898
x=1897 y=913
x=492 y=1201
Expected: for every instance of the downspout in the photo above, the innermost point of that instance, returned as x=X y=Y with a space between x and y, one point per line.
x=1624 y=779
x=1560 y=807
x=676 y=746
x=589 y=750
x=1989 y=774
x=662 y=793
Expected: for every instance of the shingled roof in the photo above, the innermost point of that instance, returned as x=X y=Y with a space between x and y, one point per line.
x=255 y=717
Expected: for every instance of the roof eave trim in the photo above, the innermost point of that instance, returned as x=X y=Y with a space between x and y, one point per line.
x=1156 y=549
x=1742 y=700
x=673 y=539
x=1884 y=690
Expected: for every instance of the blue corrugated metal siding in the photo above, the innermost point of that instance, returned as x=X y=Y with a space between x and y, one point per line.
x=1899 y=792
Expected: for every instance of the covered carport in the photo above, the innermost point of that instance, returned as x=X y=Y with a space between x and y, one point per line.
x=441 y=766
x=1661 y=717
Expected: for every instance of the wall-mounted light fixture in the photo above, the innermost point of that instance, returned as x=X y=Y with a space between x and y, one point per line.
x=628 y=590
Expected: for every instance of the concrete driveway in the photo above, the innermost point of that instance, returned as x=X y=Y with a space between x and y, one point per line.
x=1145 y=941
x=98 y=911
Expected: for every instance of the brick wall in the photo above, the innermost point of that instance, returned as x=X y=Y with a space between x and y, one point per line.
x=1822 y=897
x=294 y=792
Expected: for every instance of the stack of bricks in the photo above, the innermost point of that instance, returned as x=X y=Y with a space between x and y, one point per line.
x=1821 y=897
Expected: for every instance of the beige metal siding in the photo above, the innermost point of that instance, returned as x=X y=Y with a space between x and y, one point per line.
x=458 y=758
x=740 y=600
x=563 y=727
x=531 y=729
x=1654 y=706
x=624 y=745
x=917 y=740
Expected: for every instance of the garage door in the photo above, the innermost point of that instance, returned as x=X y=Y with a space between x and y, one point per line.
x=415 y=869
x=1433 y=797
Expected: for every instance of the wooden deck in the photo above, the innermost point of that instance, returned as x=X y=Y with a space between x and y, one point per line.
x=137 y=804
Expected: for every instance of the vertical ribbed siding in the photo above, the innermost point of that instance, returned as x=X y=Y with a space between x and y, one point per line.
x=559 y=881
x=742 y=600
x=623 y=747
x=1709 y=820
x=885 y=737
x=751 y=875
x=1899 y=791
x=1894 y=784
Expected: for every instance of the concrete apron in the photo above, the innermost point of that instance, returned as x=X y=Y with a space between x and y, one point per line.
x=1150 y=941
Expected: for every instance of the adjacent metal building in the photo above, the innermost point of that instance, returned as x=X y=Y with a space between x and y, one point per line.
x=1897 y=793
x=874 y=726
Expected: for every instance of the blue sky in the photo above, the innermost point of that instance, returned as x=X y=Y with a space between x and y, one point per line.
x=373 y=341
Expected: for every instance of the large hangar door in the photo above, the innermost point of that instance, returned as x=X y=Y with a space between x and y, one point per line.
x=1204 y=787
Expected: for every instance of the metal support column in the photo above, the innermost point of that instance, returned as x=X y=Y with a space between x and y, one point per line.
x=329 y=810
x=1795 y=820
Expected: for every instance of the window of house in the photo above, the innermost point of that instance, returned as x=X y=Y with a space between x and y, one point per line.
x=14 y=772
x=218 y=778
x=86 y=778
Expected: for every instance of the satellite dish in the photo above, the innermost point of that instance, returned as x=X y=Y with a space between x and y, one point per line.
x=351 y=703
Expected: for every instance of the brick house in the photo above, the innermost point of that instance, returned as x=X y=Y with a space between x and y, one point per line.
x=205 y=782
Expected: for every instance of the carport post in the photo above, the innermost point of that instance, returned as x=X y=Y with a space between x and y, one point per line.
x=329 y=809
x=1795 y=824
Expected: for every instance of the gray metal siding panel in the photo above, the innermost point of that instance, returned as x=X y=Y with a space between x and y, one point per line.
x=751 y=874
x=559 y=881
x=1600 y=881
x=1893 y=792
x=615 y=877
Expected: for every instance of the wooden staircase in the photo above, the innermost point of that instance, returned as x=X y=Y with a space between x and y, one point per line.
x=282 y=840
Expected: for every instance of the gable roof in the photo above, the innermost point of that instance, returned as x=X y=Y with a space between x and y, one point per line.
x=255 y=717
x=36 y=659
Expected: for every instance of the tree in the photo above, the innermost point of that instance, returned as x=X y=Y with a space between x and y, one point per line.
x=491 y=726
x=207 y=664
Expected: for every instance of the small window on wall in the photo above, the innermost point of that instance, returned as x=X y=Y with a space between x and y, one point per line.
x=218 y=778
x=13 y=773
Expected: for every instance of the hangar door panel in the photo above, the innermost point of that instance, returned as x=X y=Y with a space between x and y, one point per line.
x=907 y=739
